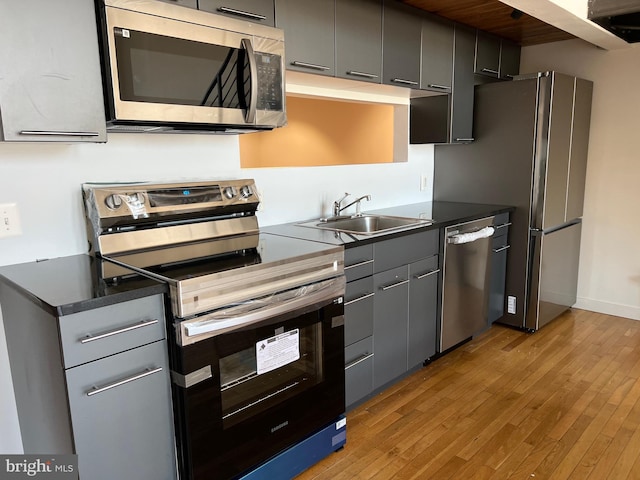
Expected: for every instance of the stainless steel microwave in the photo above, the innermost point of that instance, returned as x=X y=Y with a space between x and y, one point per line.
x=172 y=68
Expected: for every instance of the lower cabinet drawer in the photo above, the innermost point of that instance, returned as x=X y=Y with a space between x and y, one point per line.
x=358 y=370
x=358 y=310
x=119 y=404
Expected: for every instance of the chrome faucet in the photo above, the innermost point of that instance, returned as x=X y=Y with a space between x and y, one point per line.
x=337 y=208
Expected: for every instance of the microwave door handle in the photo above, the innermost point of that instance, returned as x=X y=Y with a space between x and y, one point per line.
x=250 y=117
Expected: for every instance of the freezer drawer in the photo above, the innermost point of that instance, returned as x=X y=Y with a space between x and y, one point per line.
x=465 y=281
x=554 y=273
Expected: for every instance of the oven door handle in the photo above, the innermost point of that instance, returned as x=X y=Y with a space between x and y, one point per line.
x=301 y=299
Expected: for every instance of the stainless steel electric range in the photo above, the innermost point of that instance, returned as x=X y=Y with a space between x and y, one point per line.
x=256 y=331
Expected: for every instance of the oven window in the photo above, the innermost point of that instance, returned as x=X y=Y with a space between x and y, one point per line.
x=275 y=369
x=160 y=69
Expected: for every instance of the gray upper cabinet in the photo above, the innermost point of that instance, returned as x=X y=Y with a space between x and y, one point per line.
x=509 y=59
x=487 y=58
x=309 y=32
x=462 y=98
x=359 y=40
x=437 y=54
x=258 y=11
x=50 y=81
x=401 y=43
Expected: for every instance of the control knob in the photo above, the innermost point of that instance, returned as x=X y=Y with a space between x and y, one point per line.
x=245 y=191
x=113 y=201
x=229 y=192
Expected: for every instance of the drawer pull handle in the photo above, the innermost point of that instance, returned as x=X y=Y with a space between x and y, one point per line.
x=312 y=66
x=90 y=338
x=146 y=373
x=358 y=360
x=464 y=140
x=394 y=285
x=361 y=74
x=241 y=13
x=403 y=81
x=59 y=134
x=359 y=264
x=424 y=275
x=439 y=87
x=501 y=249
x=490 y=70
x=368 y=295
x=502 y=225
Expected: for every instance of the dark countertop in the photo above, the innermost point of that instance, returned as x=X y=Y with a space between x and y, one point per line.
x=443 y=214
x=66 y=285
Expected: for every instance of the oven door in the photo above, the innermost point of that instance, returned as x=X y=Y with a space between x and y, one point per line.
x=175 y=71
x=243 y=393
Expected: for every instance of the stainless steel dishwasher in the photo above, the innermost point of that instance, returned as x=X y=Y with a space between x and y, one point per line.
x=465 y=281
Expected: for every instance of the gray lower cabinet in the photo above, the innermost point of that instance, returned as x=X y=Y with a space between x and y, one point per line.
x=423 y=310
x=358 y=373
x=95 y=383
x=259 y=11
x=359 y=40
x=391 y=311
x=401 y=43
x=50 y=81
x=309 y=31
x=120 y=411
x=499 y=253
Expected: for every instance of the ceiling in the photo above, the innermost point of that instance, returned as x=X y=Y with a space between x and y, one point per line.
x=495 y=17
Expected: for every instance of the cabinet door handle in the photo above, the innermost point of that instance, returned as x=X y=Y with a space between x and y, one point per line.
x=358 y=360
x=363 y=297
x=502 y=225
x=403 y=81
x=501 y=249
x=361 y=74
x=489 y=70
x=242 y=13
x=427 y=274
x=439 y=87
x=90 y=338
x=52 y=133
x=312 y=66
x=359 y=264
x=394 y=285
x=470 y=139
x=146 y=373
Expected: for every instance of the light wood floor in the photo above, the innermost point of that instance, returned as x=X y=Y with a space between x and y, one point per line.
x=562 y=403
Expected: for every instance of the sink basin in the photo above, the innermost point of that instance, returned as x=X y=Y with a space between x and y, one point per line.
x=368 y=224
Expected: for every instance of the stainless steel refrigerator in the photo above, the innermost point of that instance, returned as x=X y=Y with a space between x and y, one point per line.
x=530 y=151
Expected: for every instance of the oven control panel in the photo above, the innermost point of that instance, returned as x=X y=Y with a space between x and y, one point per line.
x=144 y=200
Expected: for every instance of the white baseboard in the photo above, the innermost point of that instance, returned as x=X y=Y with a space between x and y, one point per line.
x=608 y=308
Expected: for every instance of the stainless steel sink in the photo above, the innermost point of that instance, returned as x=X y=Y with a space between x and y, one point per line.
x=367 y=224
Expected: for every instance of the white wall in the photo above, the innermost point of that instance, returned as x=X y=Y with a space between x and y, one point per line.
x=44 y=180
x=609 y=280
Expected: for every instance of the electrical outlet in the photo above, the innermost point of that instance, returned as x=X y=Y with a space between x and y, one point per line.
x=9 y=220
x=424 y=181
x=511 y=304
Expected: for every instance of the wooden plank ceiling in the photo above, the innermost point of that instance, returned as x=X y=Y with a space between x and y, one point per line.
x=495 y=17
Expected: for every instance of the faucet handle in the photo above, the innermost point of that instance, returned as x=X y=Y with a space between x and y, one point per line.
x=346 y=194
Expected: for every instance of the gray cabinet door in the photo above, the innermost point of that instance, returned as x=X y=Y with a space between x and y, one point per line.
x=50 y=81
x=121 y=416
x=309 y=34
x=401 y=34
x=487 y=55
x=509 y=59
x=462 y=96
x=358 y=310
x=258 y=11
x=437 y=55
x=423 y=309
x=358 y=373
x=391 y=309
x=359 y=40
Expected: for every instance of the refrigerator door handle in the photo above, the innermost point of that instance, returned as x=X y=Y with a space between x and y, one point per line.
x=536 y=232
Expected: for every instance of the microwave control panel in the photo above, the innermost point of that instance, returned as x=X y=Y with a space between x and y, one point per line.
x=269 y=81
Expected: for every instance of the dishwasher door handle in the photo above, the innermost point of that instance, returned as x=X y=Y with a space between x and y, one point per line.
x=468 y=237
